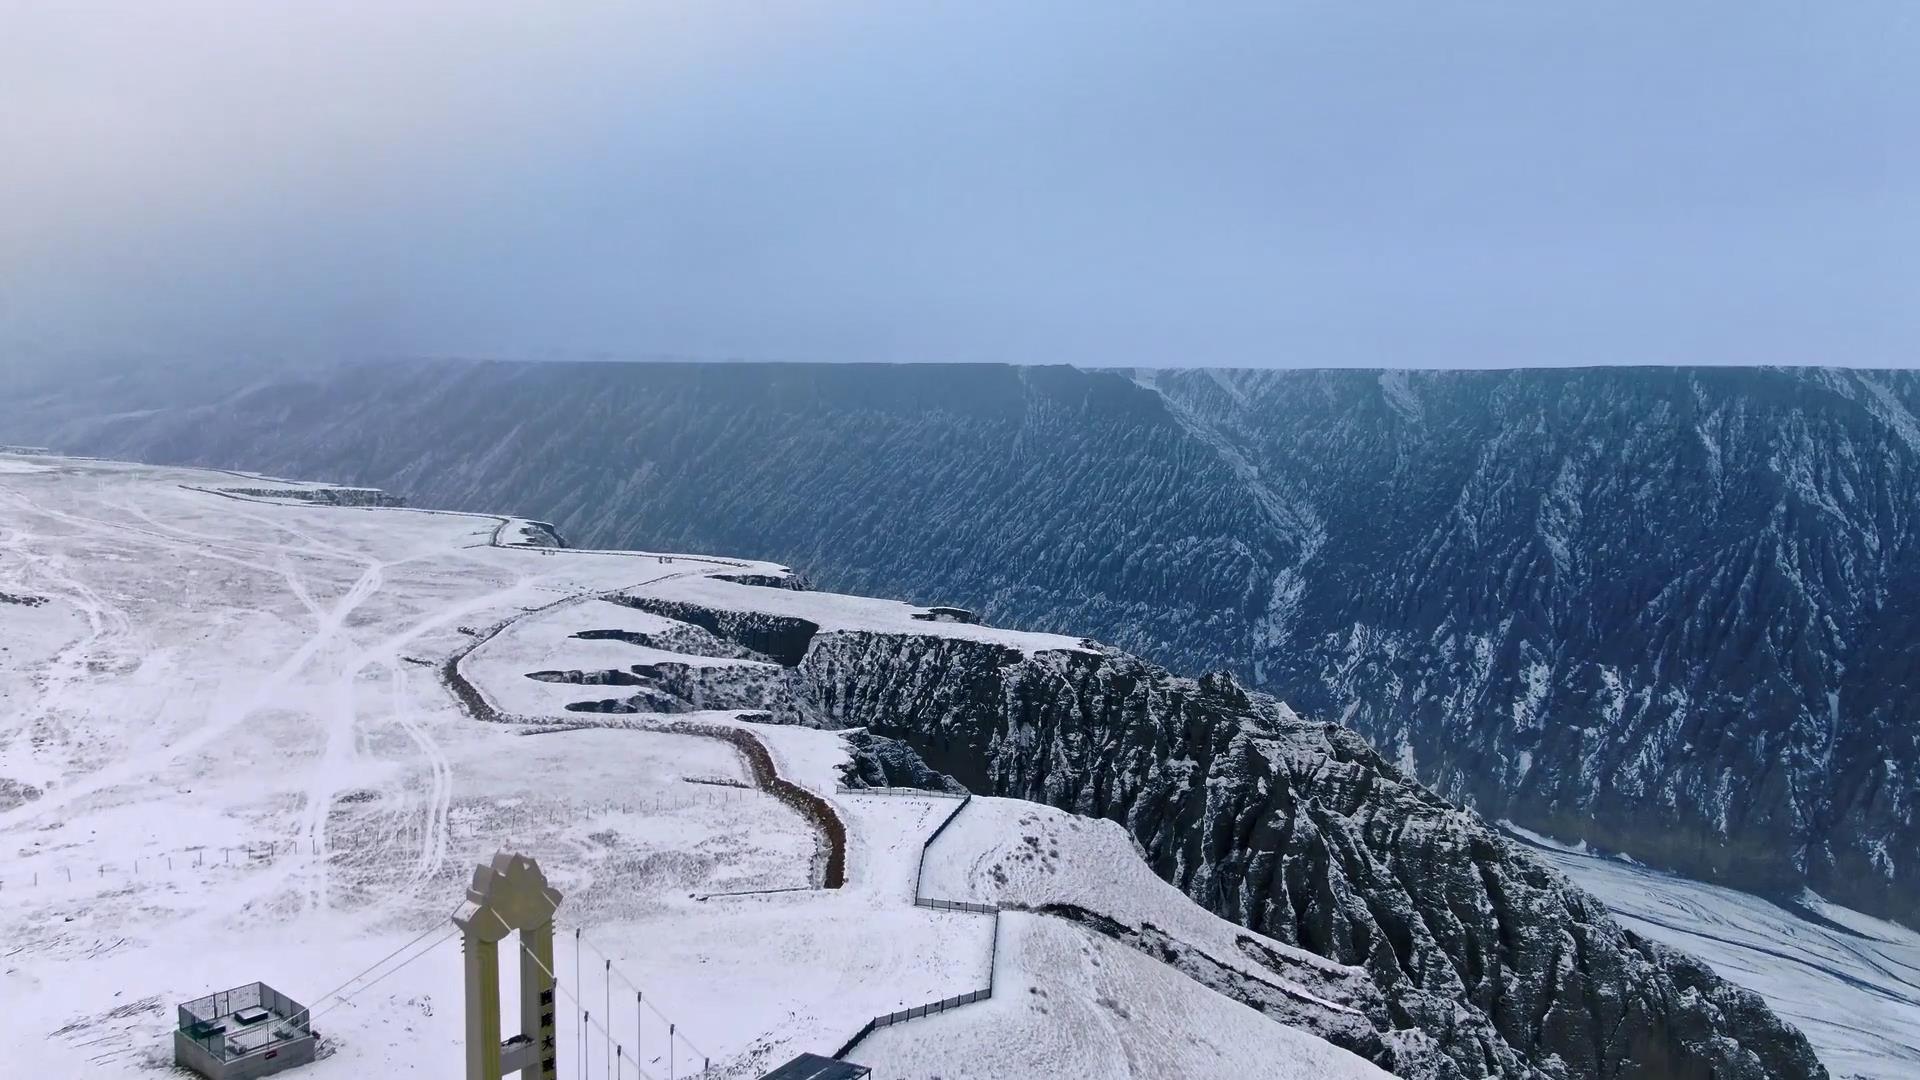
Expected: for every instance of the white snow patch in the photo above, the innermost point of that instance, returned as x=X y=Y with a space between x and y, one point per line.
x=251 y=770
x=1852 y=987
x=1070 y=1003
x=1578 y=847
x=835 y=611
x=1009 y=851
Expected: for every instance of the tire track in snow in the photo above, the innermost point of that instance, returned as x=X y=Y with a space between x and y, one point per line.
x=433 y=839
x=68 y=667
x=226 y=715
x=323 y=788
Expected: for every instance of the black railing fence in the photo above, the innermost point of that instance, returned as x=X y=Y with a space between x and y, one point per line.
x=906 y=792
x=956 y=905
x=936 y=904
x=920 y=870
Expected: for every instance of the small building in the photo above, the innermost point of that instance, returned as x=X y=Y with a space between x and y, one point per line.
x=242 y=1033
x=815 y=1067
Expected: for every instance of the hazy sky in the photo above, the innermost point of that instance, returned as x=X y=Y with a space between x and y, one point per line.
x=1094 y=183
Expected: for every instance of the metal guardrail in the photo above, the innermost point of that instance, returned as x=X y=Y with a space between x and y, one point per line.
x=956 y=905
x=932 y=1008
x=921 y=870
x=915 y=1013
x=937 y=904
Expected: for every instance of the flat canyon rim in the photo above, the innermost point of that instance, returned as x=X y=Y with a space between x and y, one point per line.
x=227 y=754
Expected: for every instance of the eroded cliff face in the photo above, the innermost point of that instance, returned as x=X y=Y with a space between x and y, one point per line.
x=1303 y=832
x=1298 y=830
x=1671 y=612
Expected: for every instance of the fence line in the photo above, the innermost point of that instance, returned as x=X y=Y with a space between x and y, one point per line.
x=759 y=759
x=956 y=905
x=935 y=1008
x=920 y=871
x=909 y=792
x=158 y=862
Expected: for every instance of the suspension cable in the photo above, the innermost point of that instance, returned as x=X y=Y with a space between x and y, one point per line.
x=345 y=998
x=422 y=936
x=577 y=1007
x=662 y=1017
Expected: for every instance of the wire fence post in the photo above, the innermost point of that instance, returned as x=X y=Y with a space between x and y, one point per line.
x=670 y=1052
x=581 y=1068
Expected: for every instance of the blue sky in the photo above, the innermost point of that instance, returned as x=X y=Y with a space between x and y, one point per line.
x=1293 y=184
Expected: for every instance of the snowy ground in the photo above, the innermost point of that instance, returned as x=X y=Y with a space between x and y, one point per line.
x=834 y=611
x=1069 y=1003
x=1850 y=982
x=242 y=765
x=1009 y=851
x=545 y=642
x=226 y=754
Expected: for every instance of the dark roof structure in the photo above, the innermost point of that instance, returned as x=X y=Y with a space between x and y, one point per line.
x=815 y=1067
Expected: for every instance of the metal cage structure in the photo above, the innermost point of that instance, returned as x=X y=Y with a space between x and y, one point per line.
x=242 y=1033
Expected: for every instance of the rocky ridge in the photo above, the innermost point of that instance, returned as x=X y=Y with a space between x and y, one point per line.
x=1670 y=612
x=1483 y=962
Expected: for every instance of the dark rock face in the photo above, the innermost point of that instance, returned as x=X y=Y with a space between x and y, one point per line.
x=774 y=637
x=759 y=688
x=1673 y=612
x=1481 y=961
x=797 y=582
x=941 y=613
x=1301 y=831
x=542 y=534
x=325 y=496
x=877 y=761
x=16 y=793
x=614 y=677
x=646 y=699
x=679 y=638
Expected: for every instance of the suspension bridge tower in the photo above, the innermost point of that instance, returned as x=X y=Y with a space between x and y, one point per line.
x=509 y=895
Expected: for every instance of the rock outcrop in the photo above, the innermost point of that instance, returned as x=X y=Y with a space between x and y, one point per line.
x=1666 y=611
x=1302 y=832
x=877 y=761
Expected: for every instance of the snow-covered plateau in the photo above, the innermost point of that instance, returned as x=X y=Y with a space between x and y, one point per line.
x=262 y=729
x=266 y=736
x=1663 y=610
